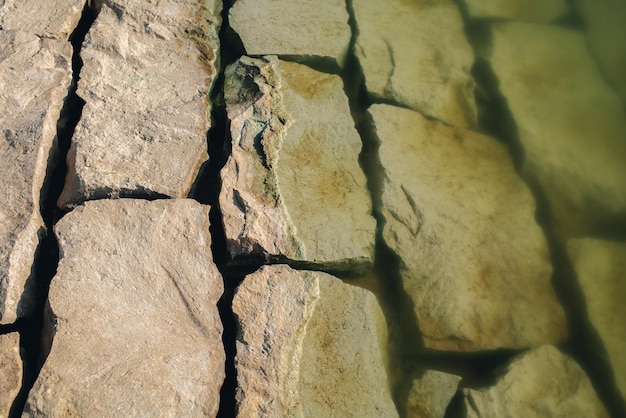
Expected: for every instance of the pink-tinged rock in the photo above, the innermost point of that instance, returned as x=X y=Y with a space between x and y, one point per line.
x=56 y=19
x=148 y=68
x=462 y=222
x=138 y=328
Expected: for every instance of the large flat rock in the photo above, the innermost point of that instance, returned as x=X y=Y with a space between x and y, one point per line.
x=302 y=29
x=138 y=328
x=605 y=21
x=601 y=269
x=473 y=260
x=35 y=75
x=542 y=383
x=525 y=10
x=10 y=370
x=571 y=125
x=309 y=345
x=292 y=185
x=148 y=68
x=57 y=19
x=415 y=53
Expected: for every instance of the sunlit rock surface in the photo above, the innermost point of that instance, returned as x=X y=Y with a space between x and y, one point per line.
x=147 y=70
x=415 y=53
x=539 y=384
x=10 y=371
x=525 y=10
x=138 y=327
x=601 y=270
x=35 y=75
x=53 y=19
x=473 y=260
x=292 y=185
x=571 y=125
x=605 y=21
x=431 y=394
x=303 y=29
x=318 y=343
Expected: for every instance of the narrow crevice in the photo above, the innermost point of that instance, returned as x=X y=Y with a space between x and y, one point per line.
x=36 y=327
x=496 y=120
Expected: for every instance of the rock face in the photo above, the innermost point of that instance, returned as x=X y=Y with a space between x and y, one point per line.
x=318 y=343
x=601 y=269
x=574 y=139
x=135 y=295
x=57 y=19
x=430 y=395
x=35 y=74
x=473 y=260
x=604 y=22
x=10 y=370
x=292 y=186
x=539 y=384
x=528 y=10
x=147 y=71
x=306 y=29
x=415 y=53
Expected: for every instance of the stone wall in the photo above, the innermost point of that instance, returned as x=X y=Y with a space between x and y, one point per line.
x=400 y=208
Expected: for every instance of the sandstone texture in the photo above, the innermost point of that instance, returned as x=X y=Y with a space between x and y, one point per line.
x=10 y=371
x=35 y=75
x=138 y=328
x=605 y=21
x=292 y=185
x=148 y=68
x=431 y=394
x=415 y=53
x=542 y=383
x=55 y=19
x=525 y=10
x=571 y=125
x=601 y=270
x=309 y=345
x=473 y=260
x=302 y=29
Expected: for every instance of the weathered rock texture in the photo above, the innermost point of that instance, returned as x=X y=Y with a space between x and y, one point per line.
x=292 y=185
x=147 y=70
x=10 y=371
x=138 y=327
x=430 y=395
x=55 y=19
x=309 y=345
x=306 y=29
x=605 y=21
x=473 y=260
x=601 y=269
x=571 y=125
x=415 y=53
x=539 y=384
x=528 y=10
x=35 y=75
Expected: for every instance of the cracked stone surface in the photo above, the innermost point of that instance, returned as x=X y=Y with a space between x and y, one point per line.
x=431 y=394
x=135 y=294
x=538 y=384
x=57 y=19
x=524 y=10
x=574 y=139
x=304 y=29
x=601 y=269
x=319 y=343
x=10 y=370
x=35 y=75
x=293 y=186
x=605 y=21
x=415 y=53
x=473 y=260
x=147 y=71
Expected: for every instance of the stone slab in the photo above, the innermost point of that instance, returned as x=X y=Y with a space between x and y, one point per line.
x=56 y=20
